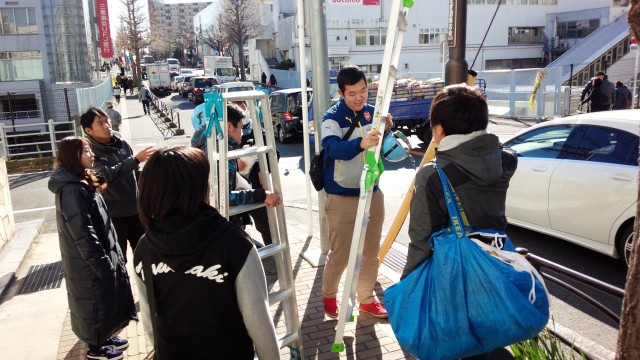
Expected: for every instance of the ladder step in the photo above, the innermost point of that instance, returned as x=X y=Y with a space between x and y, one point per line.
x=241 y=209
x=253 y=150
x=287 y=339
x=278 y=296
x=271 y=250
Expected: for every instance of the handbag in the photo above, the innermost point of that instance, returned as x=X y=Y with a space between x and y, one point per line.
x=469 y=297
x=318 y=165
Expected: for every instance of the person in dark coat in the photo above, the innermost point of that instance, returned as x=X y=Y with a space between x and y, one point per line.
x=597 y=99
x=623 y=97
x=272 y=80
x=198 y=274
x=98 y=287
x=264 y=78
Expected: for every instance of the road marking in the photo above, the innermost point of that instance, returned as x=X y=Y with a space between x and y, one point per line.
x=35 y=209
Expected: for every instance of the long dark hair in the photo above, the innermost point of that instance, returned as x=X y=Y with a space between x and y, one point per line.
x=70 y=151
x=175 y=180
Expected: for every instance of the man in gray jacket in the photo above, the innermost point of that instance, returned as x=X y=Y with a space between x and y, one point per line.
x=114 y=116
x=118 y=167
x=610 y=91
x=475 y=163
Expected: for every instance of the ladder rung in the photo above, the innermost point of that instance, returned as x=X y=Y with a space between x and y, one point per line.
x=253 y=150
x=271 y=250
x=244 y=95
x=278 y=296
x=287 y=339
x=241 y=209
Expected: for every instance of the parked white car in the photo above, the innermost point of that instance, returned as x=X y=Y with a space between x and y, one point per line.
x=176 y=84
x=187 y=72
x=577 y=179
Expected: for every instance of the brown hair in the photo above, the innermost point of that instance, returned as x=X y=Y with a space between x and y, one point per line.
x=175 y=180
x=70 y=151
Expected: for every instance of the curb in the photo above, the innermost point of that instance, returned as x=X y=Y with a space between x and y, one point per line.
x=16 y=251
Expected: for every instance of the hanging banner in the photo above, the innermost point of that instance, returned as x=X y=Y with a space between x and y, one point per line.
x=532 y=100
x=104 y=33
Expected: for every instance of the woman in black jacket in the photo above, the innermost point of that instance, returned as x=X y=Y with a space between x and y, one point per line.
x=98 y=287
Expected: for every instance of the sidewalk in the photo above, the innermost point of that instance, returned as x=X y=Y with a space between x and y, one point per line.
x=34 y=314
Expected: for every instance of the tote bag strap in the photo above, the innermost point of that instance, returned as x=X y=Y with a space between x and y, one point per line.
x=459 y=222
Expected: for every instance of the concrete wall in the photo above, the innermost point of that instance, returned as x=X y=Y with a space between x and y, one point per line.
x=8 y=225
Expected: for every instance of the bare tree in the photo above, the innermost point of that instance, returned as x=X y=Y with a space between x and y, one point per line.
x=135 y=30
x=241 y=21
x=628 y=347
x=214 y=37
x=161 y=41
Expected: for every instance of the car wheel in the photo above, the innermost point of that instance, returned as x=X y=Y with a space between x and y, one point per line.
x=624 y=245
x=281 y=135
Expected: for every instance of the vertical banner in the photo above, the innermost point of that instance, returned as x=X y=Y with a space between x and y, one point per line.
x=104 y=33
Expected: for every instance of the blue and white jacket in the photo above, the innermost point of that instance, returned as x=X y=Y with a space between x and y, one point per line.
x=344 y=160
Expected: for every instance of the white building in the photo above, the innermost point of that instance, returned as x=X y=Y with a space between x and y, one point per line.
x=524 y=34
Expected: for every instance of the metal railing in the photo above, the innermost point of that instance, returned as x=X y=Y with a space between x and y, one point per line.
x=27 y=140
x=548 y=269
x=167 y=110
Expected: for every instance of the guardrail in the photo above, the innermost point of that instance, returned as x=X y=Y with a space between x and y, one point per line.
x=34 y=139
x=166 y=118
x=544 y=266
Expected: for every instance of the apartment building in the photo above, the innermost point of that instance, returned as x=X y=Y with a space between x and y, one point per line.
x=175 y=19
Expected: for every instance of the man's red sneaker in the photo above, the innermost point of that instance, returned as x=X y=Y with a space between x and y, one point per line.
x=375 y=309
x=330 y=307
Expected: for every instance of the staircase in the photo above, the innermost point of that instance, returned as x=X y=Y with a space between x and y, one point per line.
x=597 y=52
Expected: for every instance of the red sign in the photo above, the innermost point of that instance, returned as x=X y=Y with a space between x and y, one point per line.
x=104 y=33
x=371 y=2
x=633 y=40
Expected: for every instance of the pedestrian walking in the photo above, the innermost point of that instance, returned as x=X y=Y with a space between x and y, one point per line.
x=272 y=80
x=114 y=116
x=98 y=286
x=115 y=162
x=125 y=85
x=144 y=97
x=116 y=92
x=189 y=248
x=131 y=84
x=264 y=78
x=623 y=97
x=343 y=166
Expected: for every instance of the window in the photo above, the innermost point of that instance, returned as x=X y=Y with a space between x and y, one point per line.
x=432 y=36
x=18 y=21
x=607 y=145
x=21 y=65
x=544 y=142
x=524 y=36
x=577 y=29
x=377 y=37
x=361 y=37
x=371 y=37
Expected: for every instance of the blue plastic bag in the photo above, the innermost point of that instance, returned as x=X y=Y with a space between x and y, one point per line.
x=463 y=301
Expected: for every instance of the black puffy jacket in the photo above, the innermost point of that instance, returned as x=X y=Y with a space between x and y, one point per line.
x=98 y=286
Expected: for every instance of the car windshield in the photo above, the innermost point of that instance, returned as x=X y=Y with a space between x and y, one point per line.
x=187 y=78
x=203 y=83
x=172 y=62
x=226 y=72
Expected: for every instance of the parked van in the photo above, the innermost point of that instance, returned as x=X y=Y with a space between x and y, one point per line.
x=174 y=64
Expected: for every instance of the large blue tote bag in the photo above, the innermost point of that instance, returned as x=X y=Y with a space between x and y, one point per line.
x=468 y=298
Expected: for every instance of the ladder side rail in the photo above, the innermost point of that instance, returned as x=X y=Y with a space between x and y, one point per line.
x=223 y=163
x=214 y=159
x=395 y=35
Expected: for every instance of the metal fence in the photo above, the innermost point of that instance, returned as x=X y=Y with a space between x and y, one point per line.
x=34 y=139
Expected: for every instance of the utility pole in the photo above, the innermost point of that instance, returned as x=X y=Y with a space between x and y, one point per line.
x=457 y=67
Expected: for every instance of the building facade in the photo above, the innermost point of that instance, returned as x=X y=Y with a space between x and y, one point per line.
x=175 y=21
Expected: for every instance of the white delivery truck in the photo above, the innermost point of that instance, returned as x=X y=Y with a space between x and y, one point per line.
x=220 y=68
x=159 y=78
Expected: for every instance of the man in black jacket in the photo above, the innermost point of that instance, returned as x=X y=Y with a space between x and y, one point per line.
x=115 y=162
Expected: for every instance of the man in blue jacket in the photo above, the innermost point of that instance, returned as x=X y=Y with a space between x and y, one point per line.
x=345 y=160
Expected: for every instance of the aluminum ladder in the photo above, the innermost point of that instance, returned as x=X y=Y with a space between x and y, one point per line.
x=373 y=167
x=219 y=155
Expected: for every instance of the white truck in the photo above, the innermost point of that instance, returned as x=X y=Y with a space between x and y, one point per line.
x=159 y=78
x=220 y=68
